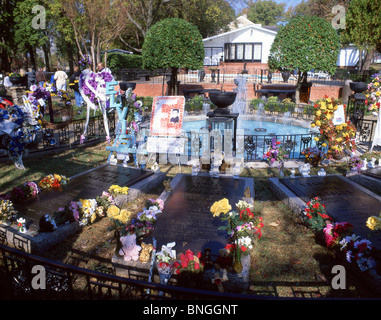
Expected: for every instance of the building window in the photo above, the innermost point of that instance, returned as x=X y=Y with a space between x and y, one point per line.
x=248 y=52
x=213 y=55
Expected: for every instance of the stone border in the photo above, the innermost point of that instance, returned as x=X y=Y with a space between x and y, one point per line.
x=297 y=206
x=38 y=242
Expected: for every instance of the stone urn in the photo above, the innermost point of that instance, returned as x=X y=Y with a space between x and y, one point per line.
x=358 y=87
x=222 y=100
x=285 y=76
x=16 y=80
x=126 y=85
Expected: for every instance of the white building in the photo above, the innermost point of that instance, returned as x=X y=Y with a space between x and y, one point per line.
x=244 y=42
x=250 y=42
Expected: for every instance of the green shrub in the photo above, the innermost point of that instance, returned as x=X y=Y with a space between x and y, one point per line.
x=117 y=61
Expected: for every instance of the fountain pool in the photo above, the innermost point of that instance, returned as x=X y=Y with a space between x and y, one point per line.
x=249 y=126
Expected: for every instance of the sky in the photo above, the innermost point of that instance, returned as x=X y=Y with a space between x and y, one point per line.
x=238 y=5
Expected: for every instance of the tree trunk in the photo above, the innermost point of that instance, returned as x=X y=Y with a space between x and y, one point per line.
x=46 y=56
x=173 y=87
x=368 y=59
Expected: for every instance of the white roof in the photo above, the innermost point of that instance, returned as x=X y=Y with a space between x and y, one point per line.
x=242 y=24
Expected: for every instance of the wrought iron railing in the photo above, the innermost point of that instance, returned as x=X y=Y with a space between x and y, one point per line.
x=68 y=136
x=27 y=276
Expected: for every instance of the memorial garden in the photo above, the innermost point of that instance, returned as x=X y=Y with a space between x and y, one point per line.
x=171 y=197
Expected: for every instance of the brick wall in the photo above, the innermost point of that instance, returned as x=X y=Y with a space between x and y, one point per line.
x=153 y=90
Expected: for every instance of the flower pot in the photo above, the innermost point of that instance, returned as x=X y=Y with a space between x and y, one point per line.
x=15 y=80
x=358 y=87
x=338 y=156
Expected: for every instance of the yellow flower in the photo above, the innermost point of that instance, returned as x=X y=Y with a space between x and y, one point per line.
x=378 y=93
x=219 y=207
x=313 y=125
x=58 y=177
x=316 y=138
x=112 y=211
x=328 y=116
x=318 y=113
x=124 y=216
x=339 y=139
x=115 y=190
x=373 y=223
x=318 y=123
x=324 y=144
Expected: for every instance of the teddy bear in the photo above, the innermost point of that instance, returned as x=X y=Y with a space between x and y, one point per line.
x=145 y=253
x=130 y=250
x=224 y=260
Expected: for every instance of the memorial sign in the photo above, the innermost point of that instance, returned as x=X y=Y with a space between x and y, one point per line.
x=167 y=116
x=187 y=219
x=87 y=185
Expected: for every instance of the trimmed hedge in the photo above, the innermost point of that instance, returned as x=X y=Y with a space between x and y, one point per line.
x=117 y=61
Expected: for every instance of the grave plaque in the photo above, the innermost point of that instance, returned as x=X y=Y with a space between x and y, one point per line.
x=187 y=219
x=344 y=200
x=87 y=185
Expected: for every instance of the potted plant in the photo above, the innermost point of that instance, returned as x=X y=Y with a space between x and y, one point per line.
x=275 y=153
x=15 y=78
x=355 y=163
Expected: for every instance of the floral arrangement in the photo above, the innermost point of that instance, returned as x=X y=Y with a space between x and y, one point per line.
x=242 y=227
x=374 y=223
x=38 y=96
x=189 y=262
x=24 y=122
x=165 y=259
x=116 y=190
x=14 y=74
x=312 y=154
x=334 y=232
x=355 y=163
x=219 y=207
x=275 y=152
x=339 y=235
x=91 y=82
x=140 y=228
x=7 y=211
x=316 y=214
x=336 y=138
x=53 y=181
x=373 y=94
x=134 y=111
x=358 y=250
x=85 y=62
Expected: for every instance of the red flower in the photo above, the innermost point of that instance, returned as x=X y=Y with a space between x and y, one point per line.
x=243 y=248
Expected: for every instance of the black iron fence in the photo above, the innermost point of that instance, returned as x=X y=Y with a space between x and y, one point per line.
x=221 y=75
x=27 y=276
x=68 y=136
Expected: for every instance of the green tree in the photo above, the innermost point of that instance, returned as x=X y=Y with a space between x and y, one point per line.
x=363 y=28
x=305 y=43
x=265 y=12
x=175 y=44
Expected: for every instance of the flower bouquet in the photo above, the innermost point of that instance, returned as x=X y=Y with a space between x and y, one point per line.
x=242 y=227
x=189 y=269
x=359 y=251
x=335 y=232
x=53 y=181
x=88 y=211
x=165 y=260
x=138 y=227
x=316 y=214
x=313 y=155
x=373 y=94
x=275 y=152
x=7 y=211
x=355 y=163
